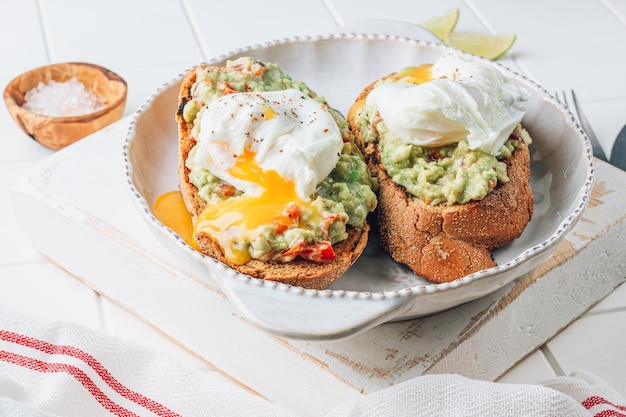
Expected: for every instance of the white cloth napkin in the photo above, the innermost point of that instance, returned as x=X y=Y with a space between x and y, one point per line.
x=61 y=369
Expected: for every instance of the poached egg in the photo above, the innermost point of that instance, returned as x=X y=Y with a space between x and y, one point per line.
x=276 y=147
x=451 y=100
x=286 y=131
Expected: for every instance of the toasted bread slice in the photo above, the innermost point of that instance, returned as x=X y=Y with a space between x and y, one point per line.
x=299 y=272
x=446 y=242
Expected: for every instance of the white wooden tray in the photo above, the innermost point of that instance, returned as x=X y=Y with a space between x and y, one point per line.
x=76 y=209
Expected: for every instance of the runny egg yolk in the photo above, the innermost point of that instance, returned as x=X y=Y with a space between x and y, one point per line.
x=278 y=205
x=170 y=209
x=414 y=74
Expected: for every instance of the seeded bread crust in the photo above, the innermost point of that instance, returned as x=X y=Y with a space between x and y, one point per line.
x=446 y=242
x=299 y=272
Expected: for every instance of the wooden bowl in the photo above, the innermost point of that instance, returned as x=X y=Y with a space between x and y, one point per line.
x=59 y=132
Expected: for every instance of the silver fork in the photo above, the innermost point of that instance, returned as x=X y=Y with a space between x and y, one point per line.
x=598 y=152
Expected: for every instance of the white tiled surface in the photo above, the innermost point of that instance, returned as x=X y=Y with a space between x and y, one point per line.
x=576 y=44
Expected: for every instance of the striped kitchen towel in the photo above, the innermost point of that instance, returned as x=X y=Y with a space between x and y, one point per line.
x=62 y=369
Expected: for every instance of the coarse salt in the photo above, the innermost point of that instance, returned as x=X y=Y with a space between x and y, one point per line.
x=62 y=99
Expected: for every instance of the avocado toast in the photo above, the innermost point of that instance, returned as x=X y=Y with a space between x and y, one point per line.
x=456 y=204
x=312 y=253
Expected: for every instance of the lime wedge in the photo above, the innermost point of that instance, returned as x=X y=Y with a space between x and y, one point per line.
x=440 y=26
x=488 y=46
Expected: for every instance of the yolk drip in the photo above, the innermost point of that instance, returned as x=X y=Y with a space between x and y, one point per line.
x=170 y=209
x=354 y=109
x=277 y=205
x=415 y=75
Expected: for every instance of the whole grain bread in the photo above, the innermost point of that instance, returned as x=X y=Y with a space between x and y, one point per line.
x=446 y=242
x=299 y=272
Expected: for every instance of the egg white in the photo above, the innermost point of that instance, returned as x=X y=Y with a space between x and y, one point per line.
x=465 y=101
x=287 y=131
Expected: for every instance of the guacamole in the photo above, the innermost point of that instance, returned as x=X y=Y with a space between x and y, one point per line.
x=344 y=198
x=450 y=174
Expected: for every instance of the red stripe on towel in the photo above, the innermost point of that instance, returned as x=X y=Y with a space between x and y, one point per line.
x=102 y=372
x=83 y=378
x=595 y=400
x=609 y=413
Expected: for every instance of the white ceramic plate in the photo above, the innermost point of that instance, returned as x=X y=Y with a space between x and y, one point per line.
x=376 y=289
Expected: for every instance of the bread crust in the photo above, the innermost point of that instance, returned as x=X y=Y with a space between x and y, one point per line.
x=446 y=242
x=299 y=272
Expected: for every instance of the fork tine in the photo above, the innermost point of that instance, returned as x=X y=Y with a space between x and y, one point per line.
x=565 y=103
x=562 y=98
x=598 y=152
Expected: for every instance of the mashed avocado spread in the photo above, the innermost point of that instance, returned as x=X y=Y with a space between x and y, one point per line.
x=448 y=174
x=345 y=197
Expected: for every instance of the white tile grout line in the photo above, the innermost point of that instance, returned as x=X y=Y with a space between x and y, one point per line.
x=476 y=11
x=600 y=311
x=22 y=159
x=334 y=13
x=614 y=10
x=102 y=317
x=556 y=367
x=195 y=28
x=24 y=263
x=45 y=29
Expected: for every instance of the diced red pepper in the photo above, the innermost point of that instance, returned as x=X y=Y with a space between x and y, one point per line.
x=225 y=190
x=319 y=252
x=328 y=253
x=228 y=89
x=293 y=251
x=292 y=211
x=316 y=252
x=279 y=227
x=330 y=219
